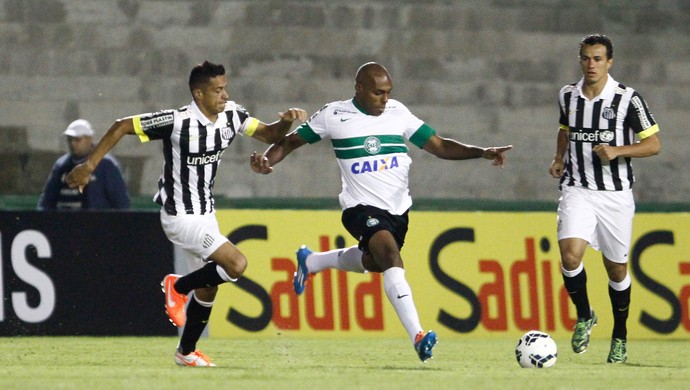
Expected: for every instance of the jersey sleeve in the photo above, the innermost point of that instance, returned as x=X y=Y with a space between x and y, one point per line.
x=416 y=131
x=422 y=135
x=562 y=117
x=248 y=124
x=639 y=118
x=152 y=126
x=562 y=120
x=315 y=128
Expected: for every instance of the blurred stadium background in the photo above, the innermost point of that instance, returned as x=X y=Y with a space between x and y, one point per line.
x=483 y=71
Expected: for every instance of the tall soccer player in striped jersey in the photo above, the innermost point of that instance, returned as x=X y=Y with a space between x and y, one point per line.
x=368 y=133
x=600 y=120
x=194 y=139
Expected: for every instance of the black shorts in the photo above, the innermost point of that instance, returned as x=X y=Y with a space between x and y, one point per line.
x=363 y=221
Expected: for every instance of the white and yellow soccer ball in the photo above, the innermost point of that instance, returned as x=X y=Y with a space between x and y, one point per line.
x=536 y=349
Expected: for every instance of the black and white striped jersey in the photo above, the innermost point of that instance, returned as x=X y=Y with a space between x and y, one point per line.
x=192 y=148
x=614 y=117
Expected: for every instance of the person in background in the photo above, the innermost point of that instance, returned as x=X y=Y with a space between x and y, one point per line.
x=107 y=190
x=603 y=126
x=368 y=134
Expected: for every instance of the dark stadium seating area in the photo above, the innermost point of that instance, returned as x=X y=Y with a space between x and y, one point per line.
x=485 y=72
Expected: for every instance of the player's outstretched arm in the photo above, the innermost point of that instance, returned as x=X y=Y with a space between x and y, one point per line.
x=79 y=176
x=450 y=149
x=274 y=132
x=264 y=162
x=497 y=154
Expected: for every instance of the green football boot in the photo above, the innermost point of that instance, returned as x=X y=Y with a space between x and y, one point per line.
x=583 y=328
x=618 y=352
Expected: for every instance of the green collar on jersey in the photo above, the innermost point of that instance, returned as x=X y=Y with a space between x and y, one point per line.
x=360 y=108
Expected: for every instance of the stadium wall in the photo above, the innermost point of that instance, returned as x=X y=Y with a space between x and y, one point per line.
x=486 y=72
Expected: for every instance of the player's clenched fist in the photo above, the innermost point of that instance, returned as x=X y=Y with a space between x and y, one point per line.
x=259 y=163
x=79 y=177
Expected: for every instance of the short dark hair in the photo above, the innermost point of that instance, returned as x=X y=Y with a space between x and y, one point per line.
x=202 y=73
x=598 y=39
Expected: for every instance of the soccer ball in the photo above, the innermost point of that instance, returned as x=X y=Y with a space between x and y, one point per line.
x=536 y=349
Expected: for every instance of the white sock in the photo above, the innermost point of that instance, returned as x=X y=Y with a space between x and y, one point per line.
x=400 y=296
x=202 y=303
x=224 y=275
x=348 y=259
x=575 y=272
x=622 y=285
x=319 y=261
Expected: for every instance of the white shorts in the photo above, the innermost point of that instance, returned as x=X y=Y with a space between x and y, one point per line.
x=602 y=218
x=198 y=235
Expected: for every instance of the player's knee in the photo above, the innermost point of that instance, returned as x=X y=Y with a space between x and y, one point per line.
x=570 y=261
x=237 y=266
x=206 y=294
x=233 y=262
x=369 y=264
x=616 y=271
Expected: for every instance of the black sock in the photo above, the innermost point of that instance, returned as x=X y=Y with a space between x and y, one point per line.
x=620 y=304
x=206 y=276
x=577 y=289
x=197 y=319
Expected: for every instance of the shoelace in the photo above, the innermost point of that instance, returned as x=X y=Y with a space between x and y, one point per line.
x=201 y=355
x=581 y=325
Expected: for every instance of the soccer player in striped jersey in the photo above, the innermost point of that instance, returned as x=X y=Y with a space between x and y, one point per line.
x=194 y=139
x=601 y=121
x=368 y=134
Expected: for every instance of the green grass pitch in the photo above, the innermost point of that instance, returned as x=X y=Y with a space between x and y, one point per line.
x=284 y=362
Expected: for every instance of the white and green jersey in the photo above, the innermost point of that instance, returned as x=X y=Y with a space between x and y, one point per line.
x=370 y=150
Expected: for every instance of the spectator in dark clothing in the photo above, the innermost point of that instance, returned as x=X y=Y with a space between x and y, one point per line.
x=106 y=189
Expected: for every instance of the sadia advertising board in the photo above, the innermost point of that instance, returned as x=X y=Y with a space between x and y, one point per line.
x=480 y=274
